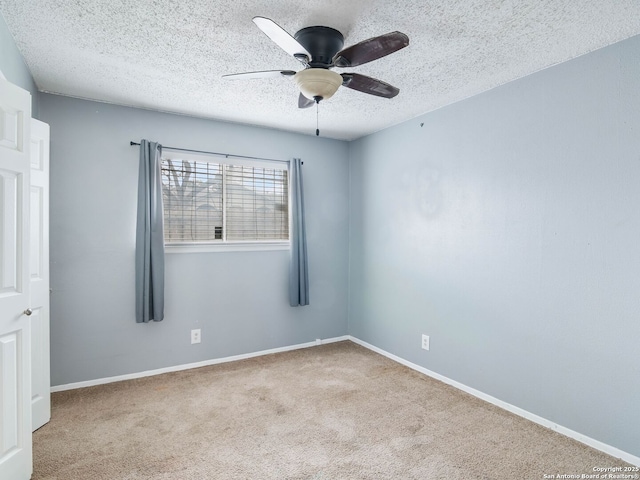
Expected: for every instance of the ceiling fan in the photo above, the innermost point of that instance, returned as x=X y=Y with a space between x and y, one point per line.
x=319 y=49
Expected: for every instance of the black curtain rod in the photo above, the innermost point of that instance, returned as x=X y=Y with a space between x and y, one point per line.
x=226 y=155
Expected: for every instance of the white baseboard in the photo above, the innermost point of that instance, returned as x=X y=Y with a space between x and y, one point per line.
x=177 y=368
x=603 y=447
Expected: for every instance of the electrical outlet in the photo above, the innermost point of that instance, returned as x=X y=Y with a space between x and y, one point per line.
x=195 y=336
x=425 y=342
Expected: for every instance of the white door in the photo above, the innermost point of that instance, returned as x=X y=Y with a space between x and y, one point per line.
x=39 y=278
x=15 y=332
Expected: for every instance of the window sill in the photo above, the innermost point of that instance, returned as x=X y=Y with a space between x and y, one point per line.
x=226 y=247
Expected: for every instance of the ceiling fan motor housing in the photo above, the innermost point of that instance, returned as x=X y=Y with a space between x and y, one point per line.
x=322 y=43
x=318 y=82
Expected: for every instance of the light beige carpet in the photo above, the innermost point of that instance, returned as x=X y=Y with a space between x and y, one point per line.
x=336 y=411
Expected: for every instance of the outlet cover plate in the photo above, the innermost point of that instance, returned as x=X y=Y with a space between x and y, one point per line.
x=425 y=342
x=195 y=336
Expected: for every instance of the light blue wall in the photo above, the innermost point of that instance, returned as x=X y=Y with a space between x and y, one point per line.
x=238 y=299
x=507 y=227
x=13 y=67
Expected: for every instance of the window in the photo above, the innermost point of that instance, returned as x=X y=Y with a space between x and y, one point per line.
x=207 y=202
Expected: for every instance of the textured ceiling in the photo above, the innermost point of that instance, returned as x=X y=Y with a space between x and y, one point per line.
x=170 y=55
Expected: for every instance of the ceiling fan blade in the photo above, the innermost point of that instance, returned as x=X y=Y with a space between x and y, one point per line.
x=371 y=49
x=264 y=74
x=280 y=36
x=369 y=85
x=304 y=102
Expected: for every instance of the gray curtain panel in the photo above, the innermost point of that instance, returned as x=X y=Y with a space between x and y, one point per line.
x=298 y=266
x=150 y=236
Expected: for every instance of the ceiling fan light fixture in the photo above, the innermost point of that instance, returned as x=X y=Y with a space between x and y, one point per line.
x=317 y=82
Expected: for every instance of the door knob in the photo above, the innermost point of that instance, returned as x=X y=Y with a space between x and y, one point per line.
x=28 y=312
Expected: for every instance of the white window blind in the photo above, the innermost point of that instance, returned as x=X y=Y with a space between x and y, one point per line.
x=208 y=202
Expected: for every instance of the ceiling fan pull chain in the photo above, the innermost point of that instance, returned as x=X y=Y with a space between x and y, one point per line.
x=317 y=121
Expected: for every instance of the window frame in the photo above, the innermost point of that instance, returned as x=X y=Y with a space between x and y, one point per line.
x=235 y=245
